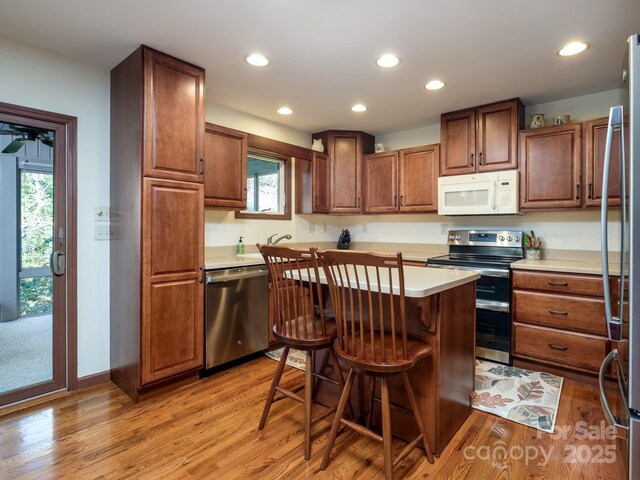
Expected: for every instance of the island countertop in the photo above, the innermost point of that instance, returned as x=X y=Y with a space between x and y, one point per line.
x=418 y=281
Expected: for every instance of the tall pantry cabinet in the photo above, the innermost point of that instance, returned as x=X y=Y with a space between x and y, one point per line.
x=157 y=205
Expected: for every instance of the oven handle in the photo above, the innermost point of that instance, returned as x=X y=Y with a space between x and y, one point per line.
x=485 y=272
x=492 y=305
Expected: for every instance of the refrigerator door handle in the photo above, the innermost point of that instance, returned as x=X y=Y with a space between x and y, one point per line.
x=621 y=429
x=614 y=324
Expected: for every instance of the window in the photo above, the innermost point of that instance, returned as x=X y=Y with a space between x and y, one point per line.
x=268 y=186
x=35 y=239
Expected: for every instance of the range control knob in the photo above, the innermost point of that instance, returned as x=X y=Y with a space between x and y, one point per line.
x=517 y=239
x=509 y=238
x=502 y=238
x=458 y=238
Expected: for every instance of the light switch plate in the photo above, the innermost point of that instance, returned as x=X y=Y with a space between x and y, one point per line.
x=101 y=232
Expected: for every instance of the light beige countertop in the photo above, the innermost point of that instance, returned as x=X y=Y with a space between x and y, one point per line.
x=565 y=266
x=418 y=281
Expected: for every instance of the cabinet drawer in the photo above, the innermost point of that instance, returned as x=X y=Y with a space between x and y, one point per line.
x=563 y=348
x=579 y=314
x=559 y=283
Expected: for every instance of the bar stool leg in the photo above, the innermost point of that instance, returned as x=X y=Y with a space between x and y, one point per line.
x=372 y=389
x=418 y=416
x=308 y=398
x=386 y=430
x=340 y=378
x=272 y=389
x=344 y=398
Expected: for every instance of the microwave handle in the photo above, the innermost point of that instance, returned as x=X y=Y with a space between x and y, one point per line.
x=492 y=194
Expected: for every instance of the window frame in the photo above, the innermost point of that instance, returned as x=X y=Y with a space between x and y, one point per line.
x=287 y=177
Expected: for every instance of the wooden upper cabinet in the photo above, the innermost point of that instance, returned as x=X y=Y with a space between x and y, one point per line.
x=225 y=167
x=173 y=117
x=419 y=178
x=458 y=142
x=380 y=182
x=320 y=182
x=550 y=167
x=401 y=180
x=345 y=150
x=312 y=184
x=171 y=327
x=595 y=133
x=481 y=139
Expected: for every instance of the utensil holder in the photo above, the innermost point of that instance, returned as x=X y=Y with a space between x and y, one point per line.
x=532 y=253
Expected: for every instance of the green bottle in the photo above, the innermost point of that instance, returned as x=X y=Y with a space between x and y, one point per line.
x=240 y=247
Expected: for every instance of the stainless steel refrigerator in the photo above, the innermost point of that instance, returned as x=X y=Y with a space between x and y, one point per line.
x=623 y=316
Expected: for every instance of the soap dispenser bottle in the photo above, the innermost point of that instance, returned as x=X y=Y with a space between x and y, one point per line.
x=240 y=247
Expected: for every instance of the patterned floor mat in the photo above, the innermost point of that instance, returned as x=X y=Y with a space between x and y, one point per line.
x=523 y=396
x=295 y=359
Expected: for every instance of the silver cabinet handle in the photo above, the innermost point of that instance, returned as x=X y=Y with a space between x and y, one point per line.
x=57 y=263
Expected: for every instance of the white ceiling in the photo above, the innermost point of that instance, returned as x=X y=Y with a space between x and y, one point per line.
x=323 y=52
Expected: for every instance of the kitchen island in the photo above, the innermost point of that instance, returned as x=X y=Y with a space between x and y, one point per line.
x=440 y=308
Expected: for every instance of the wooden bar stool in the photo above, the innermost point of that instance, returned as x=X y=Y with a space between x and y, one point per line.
x=299 y=323
x=372 y=340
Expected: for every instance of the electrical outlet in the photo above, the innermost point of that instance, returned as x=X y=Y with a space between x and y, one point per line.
x=444 y=228
x=312 y=228
x=324 y=228
x=101 y=232
x=101 y=214
x=364 y=228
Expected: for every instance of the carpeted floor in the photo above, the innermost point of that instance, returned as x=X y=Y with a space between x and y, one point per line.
x=26 y=352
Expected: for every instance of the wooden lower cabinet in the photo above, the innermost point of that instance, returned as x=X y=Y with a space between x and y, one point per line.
x=173 y=291
x=558 y=320
x=172 y=329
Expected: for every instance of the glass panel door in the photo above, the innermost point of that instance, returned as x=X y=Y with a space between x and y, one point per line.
x=27 y=345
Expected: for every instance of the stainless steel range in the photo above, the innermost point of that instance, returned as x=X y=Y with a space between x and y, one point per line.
x=491 y=253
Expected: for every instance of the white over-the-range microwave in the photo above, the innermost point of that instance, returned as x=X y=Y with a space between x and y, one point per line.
x=491 y=193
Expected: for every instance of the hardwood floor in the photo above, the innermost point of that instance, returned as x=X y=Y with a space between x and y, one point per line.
x=209 y=430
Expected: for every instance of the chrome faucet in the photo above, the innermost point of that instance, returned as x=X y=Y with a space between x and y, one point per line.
x=271 y=241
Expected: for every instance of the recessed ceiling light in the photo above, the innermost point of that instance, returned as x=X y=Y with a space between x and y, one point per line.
x=435 y=85
x=285 y=111
x=358 y=107
x=257 y=60
x=387 y=61
x=572 y=48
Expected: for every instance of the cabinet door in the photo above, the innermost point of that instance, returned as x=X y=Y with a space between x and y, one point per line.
x=345 y=150
x=458 y=142
x=595 y=133
x=497 y=136
x=381 y=182
x=174 y=118
x=172 y=289
x=419 y=179
x=550 y=167
x=320 y=182
x=225 y=171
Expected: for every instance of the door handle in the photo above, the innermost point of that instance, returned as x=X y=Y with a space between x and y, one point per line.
x=57 y=262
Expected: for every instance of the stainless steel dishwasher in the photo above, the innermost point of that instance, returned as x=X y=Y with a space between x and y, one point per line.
x=236 y=314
